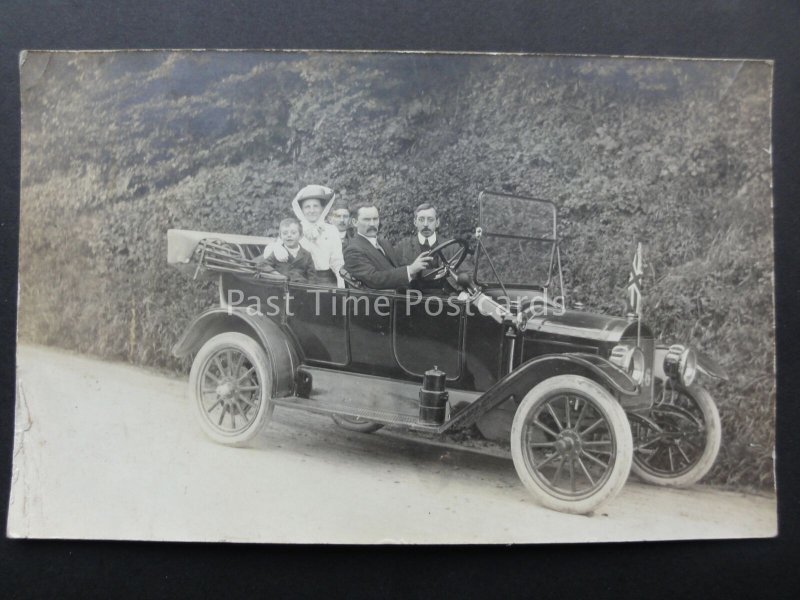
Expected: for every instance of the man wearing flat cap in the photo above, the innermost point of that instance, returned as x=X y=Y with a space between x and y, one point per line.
x=339 y=217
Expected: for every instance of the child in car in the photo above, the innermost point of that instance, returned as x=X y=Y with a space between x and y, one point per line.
x=300 y=266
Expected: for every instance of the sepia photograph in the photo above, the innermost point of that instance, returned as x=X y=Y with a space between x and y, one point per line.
x=348 y=297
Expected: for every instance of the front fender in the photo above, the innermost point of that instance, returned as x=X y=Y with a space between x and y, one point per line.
x=530 y=373
x=279 y=348
x=536 y=370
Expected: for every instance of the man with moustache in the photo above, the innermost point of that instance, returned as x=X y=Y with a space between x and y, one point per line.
x=426 y=221
x=373 y=260
x=339 y=217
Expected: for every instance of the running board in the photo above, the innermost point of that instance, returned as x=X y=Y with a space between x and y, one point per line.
x=377 y=416
x=377 y=399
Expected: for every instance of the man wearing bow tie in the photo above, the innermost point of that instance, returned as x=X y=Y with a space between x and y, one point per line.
x=426 y=221
x=373 y=260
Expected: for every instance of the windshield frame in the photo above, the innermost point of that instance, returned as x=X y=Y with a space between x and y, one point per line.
x=553 y=240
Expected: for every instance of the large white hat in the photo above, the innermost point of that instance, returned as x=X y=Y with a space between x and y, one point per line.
x=314 y=192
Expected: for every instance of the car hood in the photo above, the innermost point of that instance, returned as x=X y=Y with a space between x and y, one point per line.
x=586 y=325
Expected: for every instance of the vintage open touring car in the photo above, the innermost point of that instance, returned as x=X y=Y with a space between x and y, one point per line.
x=583 y=398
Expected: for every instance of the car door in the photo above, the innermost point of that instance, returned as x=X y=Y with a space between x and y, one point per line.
x=369 y=315
x=315 y=315
x=428 y=331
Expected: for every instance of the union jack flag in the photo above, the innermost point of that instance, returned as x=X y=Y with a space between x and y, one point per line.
x=634 y=299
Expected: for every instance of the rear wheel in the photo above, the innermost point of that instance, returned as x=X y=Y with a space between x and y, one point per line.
x=571 y=444
x=677 y=441
x=230 y=384
x=356 y=424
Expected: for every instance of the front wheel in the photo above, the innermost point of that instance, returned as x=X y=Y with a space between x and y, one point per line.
x=571 y=444
x=231 y=386
x=677 y=441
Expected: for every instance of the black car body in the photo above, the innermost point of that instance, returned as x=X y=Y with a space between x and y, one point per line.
x=583 y=398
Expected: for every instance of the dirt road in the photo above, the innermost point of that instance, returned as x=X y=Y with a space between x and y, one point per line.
x=110 y=451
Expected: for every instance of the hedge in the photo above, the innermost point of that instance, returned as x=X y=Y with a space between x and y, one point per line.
x=119 y=147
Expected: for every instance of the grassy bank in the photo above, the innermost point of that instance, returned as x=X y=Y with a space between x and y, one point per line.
x=117 y=148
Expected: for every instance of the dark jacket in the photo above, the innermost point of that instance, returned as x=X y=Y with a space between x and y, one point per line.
x=409 y=248
x=367 y=264
x=300 y=268
x=347 y=238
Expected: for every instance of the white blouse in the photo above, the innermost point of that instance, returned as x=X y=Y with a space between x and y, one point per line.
x=326 y=250
x=325 y=247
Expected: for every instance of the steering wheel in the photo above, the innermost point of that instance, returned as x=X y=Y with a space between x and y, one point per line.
x=448 y=266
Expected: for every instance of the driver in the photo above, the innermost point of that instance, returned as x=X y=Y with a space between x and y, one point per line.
x=373 y=260
x=426 y=221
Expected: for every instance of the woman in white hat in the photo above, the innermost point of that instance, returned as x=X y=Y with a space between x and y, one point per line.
x=311 y=205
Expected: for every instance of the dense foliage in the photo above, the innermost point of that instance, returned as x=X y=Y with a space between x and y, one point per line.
x=119 y=147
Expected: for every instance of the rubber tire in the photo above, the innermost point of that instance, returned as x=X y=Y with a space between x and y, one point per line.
x=365 y=427
x=617 y=422
x=258 y=358
x=713 y=440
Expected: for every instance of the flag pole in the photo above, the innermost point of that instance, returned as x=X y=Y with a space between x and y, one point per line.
x=641 y=299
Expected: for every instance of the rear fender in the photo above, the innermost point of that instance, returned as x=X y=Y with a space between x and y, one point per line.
x=279 y=348
x=525 y=377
